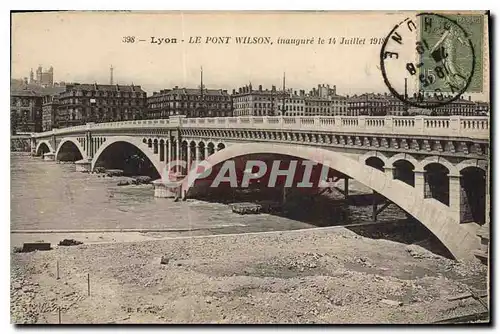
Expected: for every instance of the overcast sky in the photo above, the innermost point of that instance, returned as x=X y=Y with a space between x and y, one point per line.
x=82 y=46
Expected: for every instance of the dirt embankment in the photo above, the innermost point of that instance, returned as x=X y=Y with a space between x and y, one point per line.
x=308 y=276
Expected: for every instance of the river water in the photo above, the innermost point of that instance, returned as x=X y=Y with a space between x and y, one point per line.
x=50 y=195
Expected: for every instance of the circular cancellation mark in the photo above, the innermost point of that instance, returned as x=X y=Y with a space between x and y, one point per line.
x=440 y=64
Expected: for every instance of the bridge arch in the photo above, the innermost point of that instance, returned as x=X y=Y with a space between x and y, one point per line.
x=481 y=164
x=373 y=154
x=403 y=156
x=434 y=215
x=75 y=142
x=43 y=146
x=473 y=173
x=438 y=160
x=138 y=143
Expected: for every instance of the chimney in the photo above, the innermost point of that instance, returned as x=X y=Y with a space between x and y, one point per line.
x=234 y=91
x=111 y=75
x=260 y=88
x=239 y=90
x=334 y=89
x=469 y=98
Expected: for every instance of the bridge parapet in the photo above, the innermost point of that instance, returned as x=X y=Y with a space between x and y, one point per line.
x=453 y=126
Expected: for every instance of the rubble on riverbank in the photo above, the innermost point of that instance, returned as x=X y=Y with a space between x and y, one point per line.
x=135 y=180
x=307 y=276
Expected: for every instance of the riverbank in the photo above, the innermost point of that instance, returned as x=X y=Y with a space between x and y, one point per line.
x=328 y=275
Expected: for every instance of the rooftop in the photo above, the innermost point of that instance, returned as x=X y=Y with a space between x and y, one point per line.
x=19 y=88
x=109 y=88
x=192 y=91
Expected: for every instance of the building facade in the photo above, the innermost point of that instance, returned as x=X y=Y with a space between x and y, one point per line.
x=189 y=102
x=459 y=107
x=50 y=104
x=371 y=104
x=256 y=102
x=324 y=101
x=270 y=102
x=294 y=104
x=482 y=108
x=25 y=111
x=82 y=103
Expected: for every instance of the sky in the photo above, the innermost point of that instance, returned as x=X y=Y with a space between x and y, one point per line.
x=81 y=46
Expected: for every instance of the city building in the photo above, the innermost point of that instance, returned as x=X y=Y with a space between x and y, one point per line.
x=396 y=107
x=268 y=102
x=324 y=101
x=458 y=107
x=371 y=104
x=294 y=104
x=482 y=108
x=25 y=111
x=82 y=103
x=189 y=102
x=50 y=104
x=27 y=106
x=256 y=102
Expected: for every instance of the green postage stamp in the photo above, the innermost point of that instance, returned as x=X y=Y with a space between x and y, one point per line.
x=454 y=62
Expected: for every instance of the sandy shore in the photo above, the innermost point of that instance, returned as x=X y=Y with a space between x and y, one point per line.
x=326 y=275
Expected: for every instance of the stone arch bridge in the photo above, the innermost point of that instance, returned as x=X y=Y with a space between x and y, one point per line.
x=434 y=168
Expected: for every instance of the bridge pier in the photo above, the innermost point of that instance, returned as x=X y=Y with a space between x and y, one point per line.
x=49 y=156
x=84 y=165
x=197 y=154
x=420 y=181
x=33 y=147
x=484 y=231
x=389 y=171
x=454 y=202
x=166 y=189
x=188 y=158
x=168 y=148
x=484 y=234
x=178 y=156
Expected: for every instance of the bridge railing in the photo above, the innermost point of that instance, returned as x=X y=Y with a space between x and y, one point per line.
x=476 y=127
x=453 y=126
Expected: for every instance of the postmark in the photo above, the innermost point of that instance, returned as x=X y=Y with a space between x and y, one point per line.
x=428 y=61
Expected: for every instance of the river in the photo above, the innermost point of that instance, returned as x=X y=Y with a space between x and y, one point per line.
x=53 y=196
x=49 y=195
